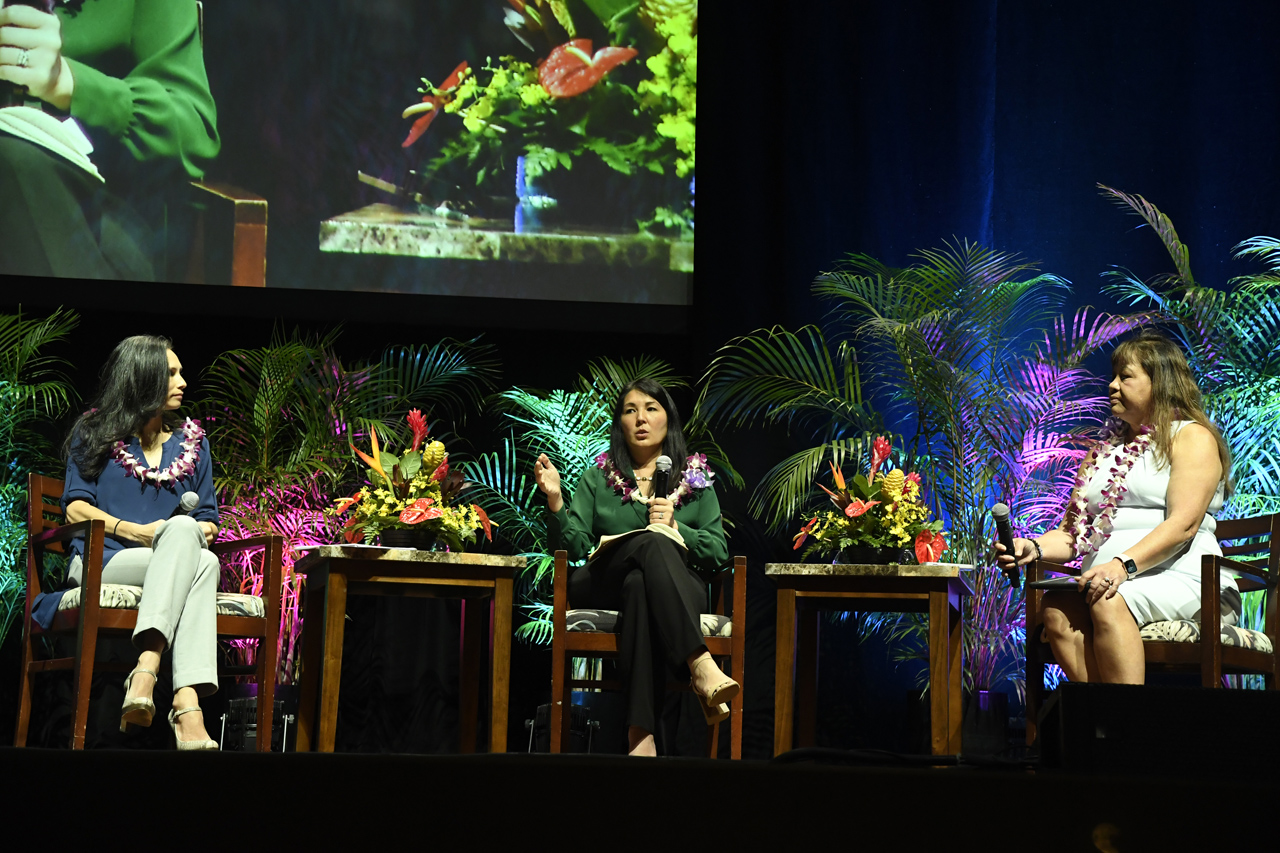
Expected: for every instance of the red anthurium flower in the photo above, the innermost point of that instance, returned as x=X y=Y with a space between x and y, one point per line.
x=857 y=507
x=413 y=515
x=570 y=69
x=345 y=504
x=419 y=426
x=929 y=546
x=879 y=452
x=484 y=522
x=354 y=531
x=804 y=533
x=431 y=105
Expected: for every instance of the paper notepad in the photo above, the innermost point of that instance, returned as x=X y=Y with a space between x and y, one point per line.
x=665 y=530
x=64 y=138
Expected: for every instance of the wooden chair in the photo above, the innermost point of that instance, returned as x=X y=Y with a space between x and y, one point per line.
x=1181 y=646
x=567 y=644
x=227 y=243
x=90 y=619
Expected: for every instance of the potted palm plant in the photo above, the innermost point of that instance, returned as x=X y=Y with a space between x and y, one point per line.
x=970 y=350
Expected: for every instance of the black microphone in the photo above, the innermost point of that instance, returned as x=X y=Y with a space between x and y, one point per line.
x=1000 y=512
x=661 y=476
x=188 y=502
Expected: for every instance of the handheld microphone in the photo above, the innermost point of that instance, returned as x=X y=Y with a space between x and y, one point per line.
x=1000 y=512
x=661 y=476
x=188 y=502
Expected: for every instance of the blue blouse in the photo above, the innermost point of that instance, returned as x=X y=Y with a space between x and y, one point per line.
x=118 y=493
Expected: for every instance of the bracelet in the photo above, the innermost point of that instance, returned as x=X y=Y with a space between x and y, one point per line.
x=116 y=527
x=1039 y=552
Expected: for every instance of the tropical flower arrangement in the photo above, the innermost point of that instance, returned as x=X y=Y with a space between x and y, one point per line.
x=629 y=104
x=880 y=510
x=414 y=491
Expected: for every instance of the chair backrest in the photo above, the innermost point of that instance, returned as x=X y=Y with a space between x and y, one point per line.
x=44 y=506
x=1249 y=541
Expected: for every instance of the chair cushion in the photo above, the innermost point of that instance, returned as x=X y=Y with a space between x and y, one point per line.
x=116 y=596
x=1186 y=631
x=606 y=622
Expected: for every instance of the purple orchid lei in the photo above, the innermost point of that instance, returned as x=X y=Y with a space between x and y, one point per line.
x=697 y=474
x=1090 y=531
x=182 y=467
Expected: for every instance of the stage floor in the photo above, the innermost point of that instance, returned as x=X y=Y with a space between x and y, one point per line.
x=250 y=801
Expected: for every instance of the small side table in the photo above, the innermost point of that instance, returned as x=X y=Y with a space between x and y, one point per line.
x=482 y=581
x=804 y=589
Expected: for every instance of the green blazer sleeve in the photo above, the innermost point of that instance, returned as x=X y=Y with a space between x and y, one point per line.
x=701 y=524
x=140 y=78
x=573 y=527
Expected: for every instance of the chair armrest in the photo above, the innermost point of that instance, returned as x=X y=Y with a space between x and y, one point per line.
x=1037 y=569
x=232 y=244
x=560 y=595
x=232 y=546
x=1244 y=570
x=63 y=533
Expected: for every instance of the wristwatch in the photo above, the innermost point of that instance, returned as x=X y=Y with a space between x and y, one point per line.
x=1130 y=567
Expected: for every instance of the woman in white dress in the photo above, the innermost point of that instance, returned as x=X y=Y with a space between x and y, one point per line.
x=1141 y=516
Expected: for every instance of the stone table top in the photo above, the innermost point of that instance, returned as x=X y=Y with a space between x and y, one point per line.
x=365 y=552
x=384 y=229
x=890 y=570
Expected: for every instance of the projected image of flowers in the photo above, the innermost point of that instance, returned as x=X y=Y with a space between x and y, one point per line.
x=589 y=120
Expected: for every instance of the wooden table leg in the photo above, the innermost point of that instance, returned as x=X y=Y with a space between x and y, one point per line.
x=806 y=708
x=469 y=641
x=501 y=664
x=784 y=671
x=335 y=614
x=939 y=675
x=955 y=664
x=312 y=649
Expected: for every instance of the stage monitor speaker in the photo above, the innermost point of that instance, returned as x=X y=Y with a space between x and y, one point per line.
x=1178 y=731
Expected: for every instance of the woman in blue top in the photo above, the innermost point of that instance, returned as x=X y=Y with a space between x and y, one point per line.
x=129 y=462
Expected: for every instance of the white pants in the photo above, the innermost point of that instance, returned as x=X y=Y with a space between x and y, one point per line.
x=179 y=578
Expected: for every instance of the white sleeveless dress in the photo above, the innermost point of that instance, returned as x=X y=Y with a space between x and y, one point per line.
x=1170 y=590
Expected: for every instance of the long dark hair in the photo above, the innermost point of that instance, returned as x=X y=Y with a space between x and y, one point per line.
x=673 y=445
x=132 y=387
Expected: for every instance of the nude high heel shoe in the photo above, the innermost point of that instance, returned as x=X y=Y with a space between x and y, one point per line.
x=715 y=706
x=139 y=711
x=184 y=745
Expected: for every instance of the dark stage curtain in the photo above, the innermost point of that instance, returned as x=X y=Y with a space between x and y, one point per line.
x=834 y=127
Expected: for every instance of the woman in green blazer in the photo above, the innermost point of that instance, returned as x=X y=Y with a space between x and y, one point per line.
x=651 y=576
x=130 y=76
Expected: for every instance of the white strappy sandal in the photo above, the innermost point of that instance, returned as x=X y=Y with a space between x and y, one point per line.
x=184 y=745
x=140 y=710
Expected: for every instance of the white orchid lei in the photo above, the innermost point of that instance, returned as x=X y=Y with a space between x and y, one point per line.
x=696 y=475
x=184 y=466
x=1090 y=531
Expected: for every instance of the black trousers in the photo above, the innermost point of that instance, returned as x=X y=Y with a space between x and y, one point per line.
x=58 y=220
x=659 y=599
